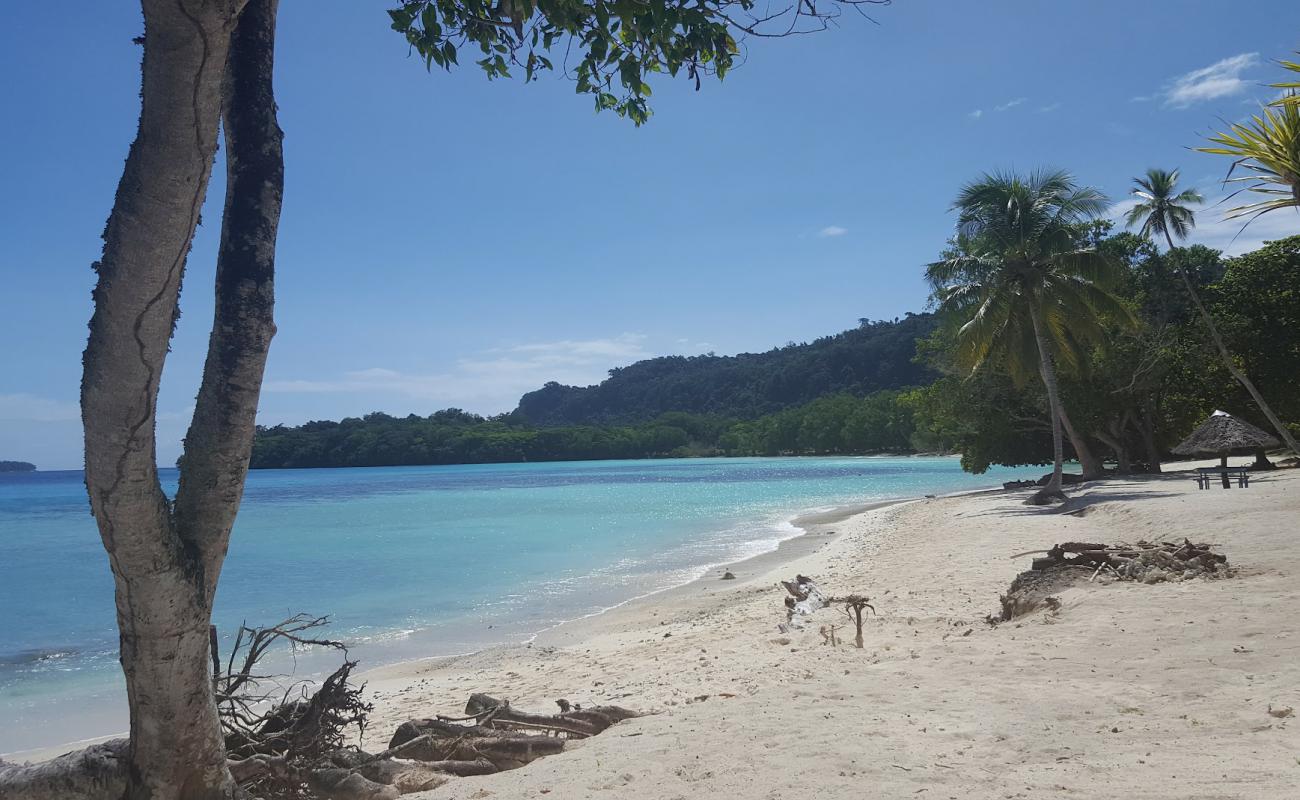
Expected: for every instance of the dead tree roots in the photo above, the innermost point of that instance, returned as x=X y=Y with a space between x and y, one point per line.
x=288 y=744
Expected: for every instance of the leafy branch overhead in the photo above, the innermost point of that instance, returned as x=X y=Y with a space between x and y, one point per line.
x=604 y=41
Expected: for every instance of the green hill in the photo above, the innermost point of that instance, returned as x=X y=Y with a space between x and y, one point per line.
x=836 y=394
x=871 y=357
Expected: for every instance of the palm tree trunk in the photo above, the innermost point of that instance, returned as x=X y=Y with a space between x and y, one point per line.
x=1089 y=462
x=1053 y=488
x=1241 y=377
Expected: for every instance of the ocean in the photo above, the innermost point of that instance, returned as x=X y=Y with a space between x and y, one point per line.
x=409 y=562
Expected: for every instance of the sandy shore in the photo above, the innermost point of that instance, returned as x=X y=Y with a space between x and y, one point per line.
x=1128 y=690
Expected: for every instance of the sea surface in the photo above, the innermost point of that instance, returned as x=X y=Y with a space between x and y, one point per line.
x=408 y=561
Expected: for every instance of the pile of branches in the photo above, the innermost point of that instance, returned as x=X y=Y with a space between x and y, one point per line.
x=293 y=746
x=426 y=753
x=1144 y=562
x=1148 y=562
x=288 y=743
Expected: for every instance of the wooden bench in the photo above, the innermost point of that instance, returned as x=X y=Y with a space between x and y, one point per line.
x=1205 y=476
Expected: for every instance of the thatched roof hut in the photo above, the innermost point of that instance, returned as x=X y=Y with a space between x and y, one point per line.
x=1222 y=434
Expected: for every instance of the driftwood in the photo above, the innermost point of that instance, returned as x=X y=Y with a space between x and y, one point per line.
x=804 y=599
x=293 y=748
x=1070 y=562
x=97 y=771
x=854 y=605
x=575 y=724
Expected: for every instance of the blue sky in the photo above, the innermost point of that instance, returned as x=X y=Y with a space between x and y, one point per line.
x=447 y=241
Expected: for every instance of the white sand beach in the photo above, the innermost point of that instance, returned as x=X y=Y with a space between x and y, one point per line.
x=1139 y=691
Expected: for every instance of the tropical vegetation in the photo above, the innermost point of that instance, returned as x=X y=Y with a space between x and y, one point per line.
x=1266 y=159
x=1130 y=397
x=1027 y=289
x=1165 y=210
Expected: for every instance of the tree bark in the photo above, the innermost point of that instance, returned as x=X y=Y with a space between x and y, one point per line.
x=1115 y=441
x=166 y=558
x=1048 y=372
x=1148 y=428
x=98 y=771
x=1088 y=461
x=1237 y=373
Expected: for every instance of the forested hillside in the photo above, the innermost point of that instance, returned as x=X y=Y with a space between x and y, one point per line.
x=871 y=357
x=838 y=394
x=890 y=387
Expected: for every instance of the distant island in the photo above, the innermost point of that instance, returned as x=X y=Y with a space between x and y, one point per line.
x=17 y=466
x=840 y=394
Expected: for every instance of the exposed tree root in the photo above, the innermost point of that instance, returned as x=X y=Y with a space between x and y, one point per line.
x=289 y=745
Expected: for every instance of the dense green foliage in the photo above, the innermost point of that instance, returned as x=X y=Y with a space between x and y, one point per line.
x=1140 y=391
x=869 y=358
x=829 y=425
x=1026 y=290
x=16 y=466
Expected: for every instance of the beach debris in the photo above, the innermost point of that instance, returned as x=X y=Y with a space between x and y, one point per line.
x=276 y=720
x=804 y=599
x=1281 y=713
x=854 y=605
x=293 y=746
x=1146 y=562
x=828 y=635
x=728 y=576
x=96 y=771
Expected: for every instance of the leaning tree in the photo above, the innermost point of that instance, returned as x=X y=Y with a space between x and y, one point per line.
x=207 y=70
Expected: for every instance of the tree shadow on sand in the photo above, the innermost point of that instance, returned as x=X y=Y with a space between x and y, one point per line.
x=1116 y=489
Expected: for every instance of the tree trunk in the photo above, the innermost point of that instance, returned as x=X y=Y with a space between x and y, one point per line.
x=1148 y=428
x=1090 y=464
x=1045 y=368
x=166 y=557
x=1241 y=377
x=1115 y=441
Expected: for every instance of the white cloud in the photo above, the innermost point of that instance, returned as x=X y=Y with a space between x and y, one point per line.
x=830 y=231
x=976 y=114
x=1049 y=108
x=1010 y=104
x=489 y=383
x=31 y=408
x=1220 y=79
x=1227 y=235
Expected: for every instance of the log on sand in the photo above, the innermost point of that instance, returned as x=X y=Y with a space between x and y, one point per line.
x=97 y=771
x=423 y=754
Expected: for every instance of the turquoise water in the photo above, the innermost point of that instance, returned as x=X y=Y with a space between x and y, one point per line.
x=408 y=561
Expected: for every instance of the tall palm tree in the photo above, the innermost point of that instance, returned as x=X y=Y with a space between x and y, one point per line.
x=1267 y=151
x=1162 y=209
x=1030 y=294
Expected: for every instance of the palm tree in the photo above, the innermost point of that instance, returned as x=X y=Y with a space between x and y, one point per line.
x=1291 y=97
x=1030 y=295
x=1267 y=151
x=1162 y=209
